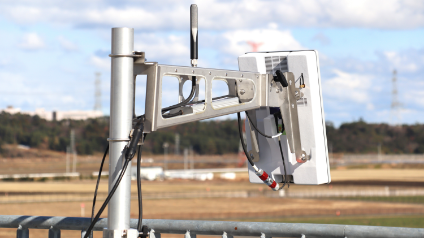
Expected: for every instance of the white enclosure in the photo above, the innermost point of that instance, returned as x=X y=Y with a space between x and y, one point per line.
x=313 y=138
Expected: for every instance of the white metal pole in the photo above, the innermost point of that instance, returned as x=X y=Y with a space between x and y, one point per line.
x=185 y=158
x=74 y=152
x=68 y=154
x=191 y=158
x=121 y=114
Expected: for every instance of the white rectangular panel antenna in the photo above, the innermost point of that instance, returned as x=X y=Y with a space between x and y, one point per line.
x=305 y=67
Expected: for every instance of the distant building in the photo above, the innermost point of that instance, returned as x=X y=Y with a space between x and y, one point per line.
x=56 y=115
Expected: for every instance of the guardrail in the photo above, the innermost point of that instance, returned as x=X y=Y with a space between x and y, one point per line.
x=225 y=229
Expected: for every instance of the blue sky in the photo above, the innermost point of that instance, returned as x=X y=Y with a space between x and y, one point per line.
x=50 y=50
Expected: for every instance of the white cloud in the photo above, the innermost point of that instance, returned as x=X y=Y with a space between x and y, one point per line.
x=100 y=62
x=221 y=15
x=32 y=41
x=67 y=44
x=168 y=49
x=322 y=38
x=404 y=61
x=349 y=87
x=268 y=40
x=415 y=96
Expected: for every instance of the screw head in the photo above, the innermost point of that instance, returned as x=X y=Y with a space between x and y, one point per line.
x=210 y=73
x=242 y=75
x=175 y=70
x=192 y=71
x=240 y=80
x=242 y=91
x=226 y=74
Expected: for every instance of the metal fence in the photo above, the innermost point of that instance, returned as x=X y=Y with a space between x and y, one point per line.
x=225 y=229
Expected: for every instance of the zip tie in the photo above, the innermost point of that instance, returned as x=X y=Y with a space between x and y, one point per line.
x=278 y=135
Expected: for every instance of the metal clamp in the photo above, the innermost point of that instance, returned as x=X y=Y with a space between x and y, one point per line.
x=135 y=54
x=139 y=57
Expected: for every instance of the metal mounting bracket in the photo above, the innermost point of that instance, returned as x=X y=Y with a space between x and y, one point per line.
x=291 y=119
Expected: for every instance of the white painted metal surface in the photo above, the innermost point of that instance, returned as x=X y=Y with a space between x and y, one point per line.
x=311 y=119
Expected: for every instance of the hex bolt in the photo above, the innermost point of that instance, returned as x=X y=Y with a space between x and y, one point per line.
x=175 y=70
x=242 y=91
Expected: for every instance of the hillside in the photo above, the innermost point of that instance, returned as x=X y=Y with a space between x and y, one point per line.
x=206 y=137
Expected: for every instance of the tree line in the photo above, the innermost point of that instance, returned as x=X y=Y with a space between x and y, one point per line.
x=204 y=137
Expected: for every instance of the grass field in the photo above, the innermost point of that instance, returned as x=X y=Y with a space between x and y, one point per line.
x=397 y=221
x=412 y=199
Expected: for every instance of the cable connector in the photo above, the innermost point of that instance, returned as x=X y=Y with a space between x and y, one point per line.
x=266 y=178
x=136 y=134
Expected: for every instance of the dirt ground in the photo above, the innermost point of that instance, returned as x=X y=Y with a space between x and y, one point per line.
x=200 y=208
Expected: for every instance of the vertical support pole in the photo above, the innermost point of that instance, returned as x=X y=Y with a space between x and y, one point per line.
x=54 y=233
x=185 y=159
x=22 y=232
x=74 y=152
x=68 y=154
x=121 y=115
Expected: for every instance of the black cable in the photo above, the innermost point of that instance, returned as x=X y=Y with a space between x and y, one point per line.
x=169 y=115
x=129 y=152
x=216 y=98
x=112 y=191
x=276 y=115
x=263 y=134
x=140 y=202
x=284 y=164
x=183 y=103
x=98 y=181
x=242 y=140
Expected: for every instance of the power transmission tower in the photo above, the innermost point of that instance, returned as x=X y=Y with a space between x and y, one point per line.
x=98 y=93
x=396 y=105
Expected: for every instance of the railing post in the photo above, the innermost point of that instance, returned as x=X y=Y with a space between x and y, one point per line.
x=54 y=233
x=225 y=235
x=263 y=235
x=153 y=234
x=189 y=235
x=83 y=232
x=121 y=115
x=22 y=232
